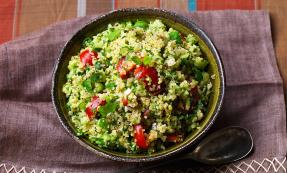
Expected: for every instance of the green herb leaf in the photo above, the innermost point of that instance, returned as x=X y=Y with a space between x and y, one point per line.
x=141 y=24
x=80 y=73
x=136 y=60
x=114 y=34
x=102 y=123
x=100 y=141
x=98 y=77
x=199 y=105
x=170 y=75
x=87 y=42
x=87 y=84
x=108 y=108
x=174 y=35
x=97 y=49
x=98 y=65
x=80 y=133
x=147 y=60
x=111 y=86
x=198 y=75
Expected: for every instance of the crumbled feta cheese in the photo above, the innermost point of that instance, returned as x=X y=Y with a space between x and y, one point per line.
x=127 y=92
x=170 y=61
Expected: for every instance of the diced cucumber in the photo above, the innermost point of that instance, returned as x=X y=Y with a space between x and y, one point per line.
x=99 y=87
x=141 y=24
x=174 y=35
x=87 y=84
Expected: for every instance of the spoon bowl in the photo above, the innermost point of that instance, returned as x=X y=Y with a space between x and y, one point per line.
x=224 y=146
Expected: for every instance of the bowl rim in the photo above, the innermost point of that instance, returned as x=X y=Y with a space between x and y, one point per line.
x=147 y=158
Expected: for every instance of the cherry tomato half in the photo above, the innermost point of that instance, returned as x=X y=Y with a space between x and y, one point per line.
x=143 y=72
x=125 y=101
x=93 y=107
x=175 y=138
x=87 y=57
x=89 y=112
x=172 y=138
x=139 y=137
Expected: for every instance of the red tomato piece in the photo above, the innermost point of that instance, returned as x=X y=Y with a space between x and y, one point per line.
x=139 y=137
x=142 y=72
x=93 y=107
x=87 y=57
x=173 y=138
x=96 y=102
x=124 y=67
x=125 y=101
x=120 y=68
x=90 y=113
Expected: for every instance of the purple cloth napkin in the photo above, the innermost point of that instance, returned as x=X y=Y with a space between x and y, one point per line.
x=33 y=140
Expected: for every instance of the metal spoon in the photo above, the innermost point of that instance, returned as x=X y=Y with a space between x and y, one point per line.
x=224 y=146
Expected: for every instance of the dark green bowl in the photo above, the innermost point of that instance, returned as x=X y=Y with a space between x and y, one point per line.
x=99 y=24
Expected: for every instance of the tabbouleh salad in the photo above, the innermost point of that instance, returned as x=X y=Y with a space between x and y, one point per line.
x=138 y=87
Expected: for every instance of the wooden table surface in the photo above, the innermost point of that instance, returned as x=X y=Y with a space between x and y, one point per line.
x=19 y=17
x=278 y=14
